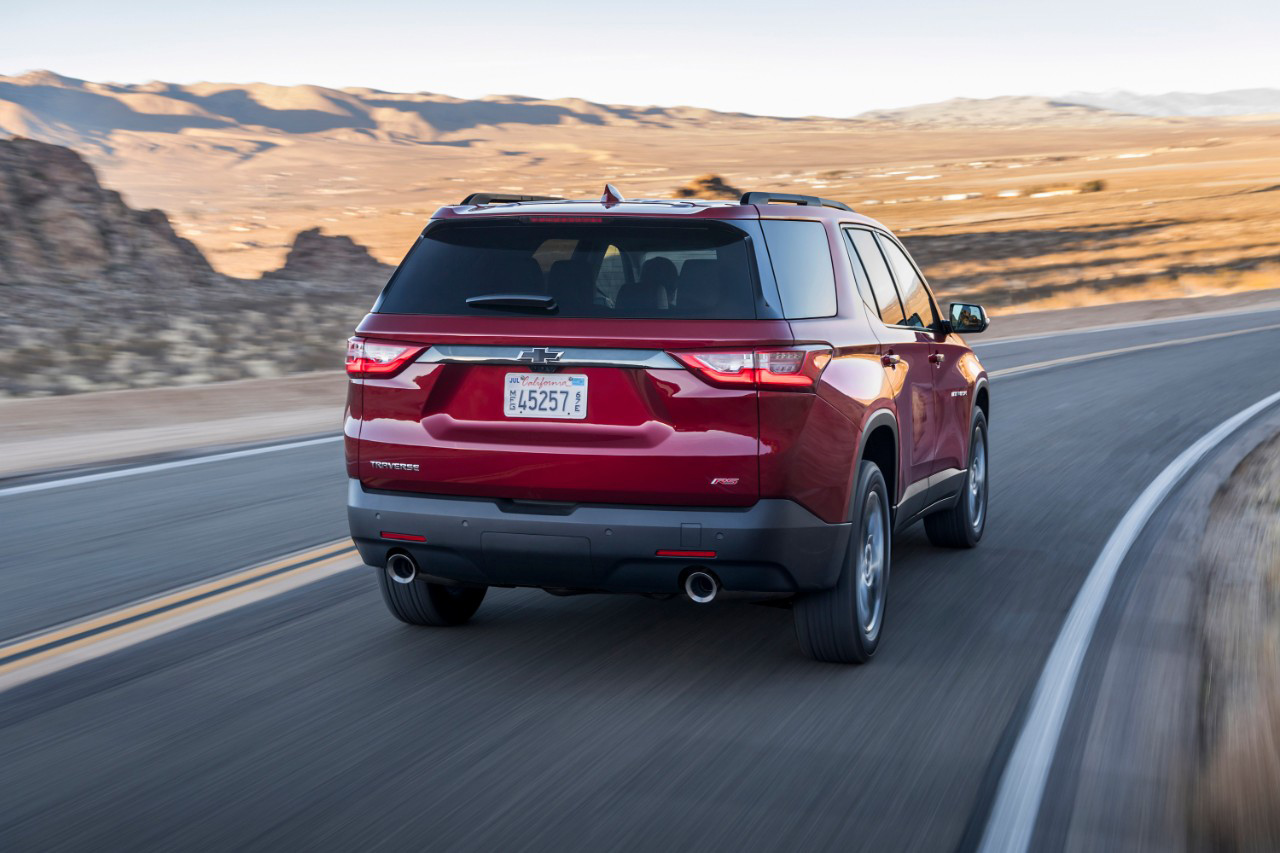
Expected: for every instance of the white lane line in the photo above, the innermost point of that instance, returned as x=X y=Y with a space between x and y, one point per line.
x=1111 y=327
x=1091 y=356
x=1012 y=822
x=160 y=466
x=145 y=630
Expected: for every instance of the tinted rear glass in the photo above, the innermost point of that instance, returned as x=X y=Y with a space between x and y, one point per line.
x=802 y=266
x=632 y=270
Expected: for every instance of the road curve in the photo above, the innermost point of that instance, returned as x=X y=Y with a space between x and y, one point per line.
x=312 y=719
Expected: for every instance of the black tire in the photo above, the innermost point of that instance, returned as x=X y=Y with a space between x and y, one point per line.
x=842 y=625
x=962 y=525
x=434 y=604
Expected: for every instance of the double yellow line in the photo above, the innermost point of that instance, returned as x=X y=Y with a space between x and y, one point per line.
x=115 y=624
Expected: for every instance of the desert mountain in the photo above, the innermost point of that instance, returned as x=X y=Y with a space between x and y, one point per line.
x=1081 y=108
x=48 y=106
x=1234 y=102
x=244 y=119
x=1002 y=111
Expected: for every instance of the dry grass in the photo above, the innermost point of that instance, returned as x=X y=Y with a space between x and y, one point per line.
x=1185 y=206
x=1266 y=277
x=1238 y=795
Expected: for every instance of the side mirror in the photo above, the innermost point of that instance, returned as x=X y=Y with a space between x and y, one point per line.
x=968 y=319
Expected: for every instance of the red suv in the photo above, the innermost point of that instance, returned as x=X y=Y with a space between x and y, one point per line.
x=661 y=397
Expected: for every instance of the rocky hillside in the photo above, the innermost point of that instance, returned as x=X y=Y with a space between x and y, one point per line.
x=317 y=257
x=96 y=295
x=57 y=224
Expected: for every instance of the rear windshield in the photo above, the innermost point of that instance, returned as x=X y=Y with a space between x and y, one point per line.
x=704 y=270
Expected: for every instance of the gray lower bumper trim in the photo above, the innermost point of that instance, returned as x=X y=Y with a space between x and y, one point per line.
x=773 y=546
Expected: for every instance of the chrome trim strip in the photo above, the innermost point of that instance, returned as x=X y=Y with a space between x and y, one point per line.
x=573 y=356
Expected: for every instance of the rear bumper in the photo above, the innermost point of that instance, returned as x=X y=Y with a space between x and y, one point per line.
x=775 y=546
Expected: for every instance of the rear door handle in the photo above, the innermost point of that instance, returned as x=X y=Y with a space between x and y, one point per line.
x=937 y=358
x=890 y=359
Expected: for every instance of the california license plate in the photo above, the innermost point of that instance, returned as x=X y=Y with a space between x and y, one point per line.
x=543 y=395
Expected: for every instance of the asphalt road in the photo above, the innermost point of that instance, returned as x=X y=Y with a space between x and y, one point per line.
x=312 y=719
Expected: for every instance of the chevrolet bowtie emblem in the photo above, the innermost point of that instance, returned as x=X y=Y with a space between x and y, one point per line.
x=540 y=355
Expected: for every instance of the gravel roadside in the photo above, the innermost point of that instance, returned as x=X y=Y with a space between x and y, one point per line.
x=1237 y=803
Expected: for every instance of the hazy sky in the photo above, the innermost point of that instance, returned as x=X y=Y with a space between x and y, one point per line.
x=784 y=57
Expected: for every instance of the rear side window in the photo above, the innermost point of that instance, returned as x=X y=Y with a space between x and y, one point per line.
x=915 y=298
x=631 y=270
x=801 y=262
x=882 y=288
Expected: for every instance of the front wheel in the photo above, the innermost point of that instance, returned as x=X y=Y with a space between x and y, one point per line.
x=420 y=603
x=961 y=526
x=844 y=624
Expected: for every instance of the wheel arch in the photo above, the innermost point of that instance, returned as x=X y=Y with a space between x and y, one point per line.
x=982 y=397
x=878 y=443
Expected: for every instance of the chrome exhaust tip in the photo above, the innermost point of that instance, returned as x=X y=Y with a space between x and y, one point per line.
x=402 y=568
x=701 y=587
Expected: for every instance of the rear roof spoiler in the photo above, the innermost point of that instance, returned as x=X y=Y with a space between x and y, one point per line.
x=787 y=198
x=505 y=198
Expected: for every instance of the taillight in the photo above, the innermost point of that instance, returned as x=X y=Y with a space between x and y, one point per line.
x=372 y=359
x=794 y=368
x=722 y=368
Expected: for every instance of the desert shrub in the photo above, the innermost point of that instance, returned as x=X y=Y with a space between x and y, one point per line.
x=708 y=186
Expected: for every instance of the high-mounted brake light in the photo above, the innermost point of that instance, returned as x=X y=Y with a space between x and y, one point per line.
x=374 y=359
x=562 y=219
x=795 y=369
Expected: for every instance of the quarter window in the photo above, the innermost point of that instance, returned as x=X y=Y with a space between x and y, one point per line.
x=916 y=304
x=802 y=265
x=877 y=270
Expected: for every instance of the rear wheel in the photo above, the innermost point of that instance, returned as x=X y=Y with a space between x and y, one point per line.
x=435 y=604
x=843 y=624
x=961 y=526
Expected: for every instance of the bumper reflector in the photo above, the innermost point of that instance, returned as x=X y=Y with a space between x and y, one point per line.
x=702 y=554
x=404 y=537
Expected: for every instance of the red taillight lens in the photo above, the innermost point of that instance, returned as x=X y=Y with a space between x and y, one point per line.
x=722 y=368
x=370 y=359
x=796 y=368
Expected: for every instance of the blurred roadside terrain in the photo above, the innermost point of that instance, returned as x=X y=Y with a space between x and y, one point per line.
x=1237 y=790
x=181 y=234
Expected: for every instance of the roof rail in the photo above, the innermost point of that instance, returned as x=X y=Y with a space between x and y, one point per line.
x=787 y=198
x=506 y=198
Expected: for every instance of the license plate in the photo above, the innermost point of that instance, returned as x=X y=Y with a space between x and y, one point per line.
x=541 y=395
